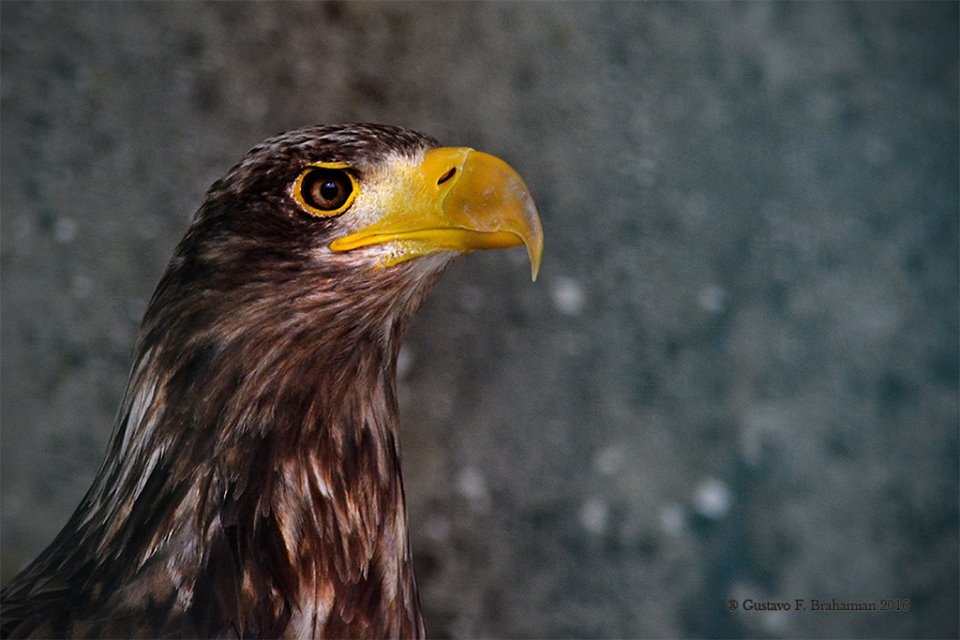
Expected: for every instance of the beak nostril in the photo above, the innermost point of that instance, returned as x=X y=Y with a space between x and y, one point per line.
x=446 y=176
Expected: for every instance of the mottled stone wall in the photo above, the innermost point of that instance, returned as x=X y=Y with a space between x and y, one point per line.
x=736 y=377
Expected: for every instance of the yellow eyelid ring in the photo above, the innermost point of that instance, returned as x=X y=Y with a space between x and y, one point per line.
x=307 y=171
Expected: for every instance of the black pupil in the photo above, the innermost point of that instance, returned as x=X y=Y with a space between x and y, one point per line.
x=329 y=190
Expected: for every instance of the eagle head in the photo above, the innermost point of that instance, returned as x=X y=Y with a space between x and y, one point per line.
x=252 y=484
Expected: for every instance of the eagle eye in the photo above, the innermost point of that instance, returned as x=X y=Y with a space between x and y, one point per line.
x=325 y=190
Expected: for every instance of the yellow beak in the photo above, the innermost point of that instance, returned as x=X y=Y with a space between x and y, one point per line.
x=457 y=199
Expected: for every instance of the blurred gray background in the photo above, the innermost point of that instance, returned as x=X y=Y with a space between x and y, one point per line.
x=737 y=376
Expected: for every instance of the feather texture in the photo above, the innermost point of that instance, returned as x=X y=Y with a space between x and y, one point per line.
x=252 y=485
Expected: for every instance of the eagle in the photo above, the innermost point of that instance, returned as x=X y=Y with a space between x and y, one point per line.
x=252 y=484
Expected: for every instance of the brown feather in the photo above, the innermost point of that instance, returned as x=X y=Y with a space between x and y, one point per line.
x=252 y=485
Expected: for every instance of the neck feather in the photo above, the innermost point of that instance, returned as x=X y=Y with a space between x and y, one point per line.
x=253 y=483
